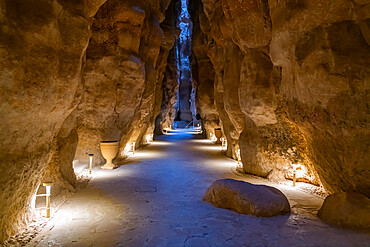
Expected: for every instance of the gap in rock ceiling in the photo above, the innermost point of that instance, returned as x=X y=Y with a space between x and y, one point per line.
x=185 y=105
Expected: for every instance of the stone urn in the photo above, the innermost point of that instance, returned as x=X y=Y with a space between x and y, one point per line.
x=109 y=150
x=218 y=135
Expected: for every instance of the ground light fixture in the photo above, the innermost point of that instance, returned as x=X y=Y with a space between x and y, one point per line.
x=91 y=162
x=296 y=168
x=199 y=129
x=223 y=143
x=238 y=156
x=212 y=137
x=47 y=186
x=149 y=138
x=133 y=148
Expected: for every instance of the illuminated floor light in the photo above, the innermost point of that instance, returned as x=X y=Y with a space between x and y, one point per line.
x=238 y=156
x=91 y=162
x=168 y=130
x=213 y=138
x=133 y=148
x=297 y=170
x=223 y=144
x=47 y=186
x=149 y=138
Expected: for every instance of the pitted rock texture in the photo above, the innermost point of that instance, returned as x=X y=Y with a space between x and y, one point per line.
x=296 y=78
x=346 y=209
x=170 y=86
x=290 y=85
x=203 y=73
x=73 y=74
x=41 y=52
x=247 y=198
x=126 y=59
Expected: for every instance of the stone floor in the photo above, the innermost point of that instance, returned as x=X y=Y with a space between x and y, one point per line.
x=155 y=199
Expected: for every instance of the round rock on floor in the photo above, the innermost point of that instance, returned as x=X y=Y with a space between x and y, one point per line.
x=346 y=209
x=247 y=198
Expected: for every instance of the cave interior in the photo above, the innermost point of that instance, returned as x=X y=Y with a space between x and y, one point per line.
x=279 y=88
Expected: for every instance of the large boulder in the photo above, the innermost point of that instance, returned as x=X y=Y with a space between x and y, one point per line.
x=346 y=209
x=247 y=198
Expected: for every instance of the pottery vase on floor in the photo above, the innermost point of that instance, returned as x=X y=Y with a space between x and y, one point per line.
x=109 y=150
x=218 y=135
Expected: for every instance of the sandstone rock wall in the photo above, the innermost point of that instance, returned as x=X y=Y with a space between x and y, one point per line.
x=325 y=84
x=183 y=49
x=170 y=86
x=126 y=59
x=41 y=52
x=291 y=85
x=203 y=73
x=73 y=74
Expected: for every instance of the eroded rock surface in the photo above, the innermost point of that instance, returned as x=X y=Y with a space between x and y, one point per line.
x=73 y=74
x=203 y=73
x=41 y=51
x=287 y=81
x=290 y=86
x=167 y=115
x=247 y=198
x=126 y=59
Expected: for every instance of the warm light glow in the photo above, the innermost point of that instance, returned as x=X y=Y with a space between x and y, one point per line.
x=133 y=147
x=238 y=156
x=223 y=144
x=67 y=215
x=209 y=148
x=149 y=138
x=127 y=149
x=299 y=170
x=198 y=129
x=147 y=154
x=91 y=162
x=48 y=190
x=102 y=174
x=33 y=200
x=160 y=143
x=74 y=164
x=166 y=130
x=47 y=186
x=213 y=138
x=202 y=141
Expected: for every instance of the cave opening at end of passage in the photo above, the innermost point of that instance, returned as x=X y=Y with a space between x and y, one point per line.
x=185 y=105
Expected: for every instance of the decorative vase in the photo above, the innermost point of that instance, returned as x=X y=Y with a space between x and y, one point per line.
x=109 y=150
x=218 y=135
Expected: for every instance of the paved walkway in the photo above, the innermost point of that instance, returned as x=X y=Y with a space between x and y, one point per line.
x=155 y=199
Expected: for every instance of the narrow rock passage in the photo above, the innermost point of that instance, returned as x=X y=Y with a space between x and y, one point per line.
x=155 y=199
